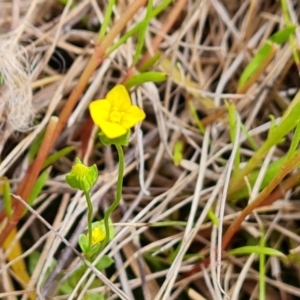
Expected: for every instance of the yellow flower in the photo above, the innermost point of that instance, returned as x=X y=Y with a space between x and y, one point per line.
x=115 y=114
x=98 y=235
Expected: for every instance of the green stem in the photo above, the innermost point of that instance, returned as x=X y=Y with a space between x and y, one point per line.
x=117 y=200
x=90 y=216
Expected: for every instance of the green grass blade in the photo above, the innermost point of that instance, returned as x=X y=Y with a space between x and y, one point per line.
x=196 y=117
x=124 y=38
x=38 y=187
x=145 y=77
x=107 y=19
x=158 y=9
x=262 y=269
x=35 y=146
x=262 y=58
x=295 y=142
x=256 y=250
x=232 y=114
x=51 y=159
x=142 y=33
x=7 y=197
x=149 y=63
x=282 y=36
x=178 y=152
x=257 y=64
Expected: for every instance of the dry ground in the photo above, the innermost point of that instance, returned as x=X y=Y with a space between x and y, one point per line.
x=204 y=52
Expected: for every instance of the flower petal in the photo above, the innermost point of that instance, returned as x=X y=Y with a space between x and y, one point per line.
x=119 y=97
x=132 y=116
x=112 y=130
x=100 y=110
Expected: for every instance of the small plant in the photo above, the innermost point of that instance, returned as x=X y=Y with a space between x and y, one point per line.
x=114 y=115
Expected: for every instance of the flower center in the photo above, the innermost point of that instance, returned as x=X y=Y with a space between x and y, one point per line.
x=116 y=115
x=79 y=170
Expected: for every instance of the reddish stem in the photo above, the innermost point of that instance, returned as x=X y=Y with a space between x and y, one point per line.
x=28 y=181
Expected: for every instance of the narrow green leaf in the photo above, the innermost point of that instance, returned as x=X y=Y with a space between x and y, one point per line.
x=255 y=63
x=262 y=268
x=7 y=197
x=256 y=250
x=142 y=33
x=232 y=114
x=283 y=35
x=178 y=152
x=51 y=159
x=295 y=142
x=107 y=19
x=213 y=217
x=250 y=139
x=35 y=146
x=38 y=186
x=196 y=117
x=168 y=223
x=124 y=38
x=158 y=9
x=271 y=172
x=148 y=64
x=145 y=77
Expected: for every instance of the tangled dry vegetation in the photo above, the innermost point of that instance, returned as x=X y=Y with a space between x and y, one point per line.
x=167 y=233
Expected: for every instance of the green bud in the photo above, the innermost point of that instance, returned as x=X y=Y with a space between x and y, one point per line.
x=82 y=177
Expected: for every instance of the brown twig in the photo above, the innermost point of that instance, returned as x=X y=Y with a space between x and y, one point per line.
x=29 y=180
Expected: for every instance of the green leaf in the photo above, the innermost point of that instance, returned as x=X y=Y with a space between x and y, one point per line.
x=178 y=152
x=295 y=142
x=272 y=170
x=232 y=114
x=256 y=250
x=33 y=260
x=35 y=146
x=7 y=197
x=157 y=10
x=107 y=19
x=283 y=35
x=90 y=296
x=142 y=33
x=257 y=61
x=104 y=263
x=145 y=77
x=83 y=243
x=149 y=63
x=51 y=159
x=264 y=55
x=38 y=186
